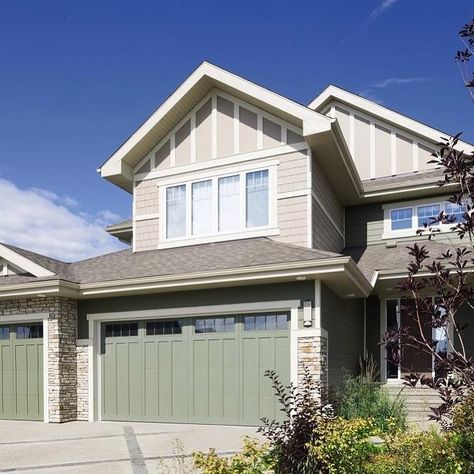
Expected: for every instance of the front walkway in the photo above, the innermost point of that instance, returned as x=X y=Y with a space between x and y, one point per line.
x=81 y=447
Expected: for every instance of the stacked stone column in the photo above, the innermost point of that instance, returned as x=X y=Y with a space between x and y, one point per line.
x=61 y=344
x=312 y=355
x=62 y=362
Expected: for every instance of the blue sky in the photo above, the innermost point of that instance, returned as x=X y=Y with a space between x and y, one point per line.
x=76 y=78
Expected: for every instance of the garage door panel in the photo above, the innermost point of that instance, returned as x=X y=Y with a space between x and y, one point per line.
x=208 y=370
x=21 y=373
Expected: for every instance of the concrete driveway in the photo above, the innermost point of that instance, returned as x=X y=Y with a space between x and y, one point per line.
x=104 y=447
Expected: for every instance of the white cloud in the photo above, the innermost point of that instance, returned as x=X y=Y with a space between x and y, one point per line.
x=383 y=6
x=372 y=91
x=400 y=81
x=43 y=222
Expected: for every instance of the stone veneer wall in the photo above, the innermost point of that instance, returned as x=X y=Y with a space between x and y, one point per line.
x=312 y=354
x=82 y=383
x=62 y=335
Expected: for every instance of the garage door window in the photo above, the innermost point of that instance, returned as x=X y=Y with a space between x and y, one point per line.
x=204 y=325
x=265 y=322
x=121 y=330
x=4 y=332
x=158 y=328
x=29 y=332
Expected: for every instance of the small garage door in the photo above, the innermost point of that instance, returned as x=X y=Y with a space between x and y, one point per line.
x=21 y=372
x=204 y=370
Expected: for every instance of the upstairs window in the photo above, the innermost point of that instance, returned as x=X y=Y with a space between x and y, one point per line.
x=176 y=211
x=405 y=220
x=455 y=210
x=235 y=203
x=427 y=213
x=402 y=218
x=229 y=204
x=257 y=198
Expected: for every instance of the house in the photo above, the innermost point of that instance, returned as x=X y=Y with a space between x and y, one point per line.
x=265 y=234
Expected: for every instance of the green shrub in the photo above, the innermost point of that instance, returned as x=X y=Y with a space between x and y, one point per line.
x=415 y=453
x=344 y=445
x=463 y=430
x=255 y=458
x=303 y=417
x=362 y=397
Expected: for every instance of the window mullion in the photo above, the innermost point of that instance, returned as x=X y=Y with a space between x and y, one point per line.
x=189 y=209
x=215 y=205
x=243 y=201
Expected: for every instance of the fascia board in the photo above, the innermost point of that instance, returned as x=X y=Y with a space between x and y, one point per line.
x=312 y=119
x=24 y=263
x=395 y=118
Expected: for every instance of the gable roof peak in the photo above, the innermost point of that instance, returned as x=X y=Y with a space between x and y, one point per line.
x=339 y=94
x=206 y=77
x=24 y=261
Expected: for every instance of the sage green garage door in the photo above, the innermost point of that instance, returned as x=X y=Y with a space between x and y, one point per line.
x=204 y=370
x=21 y=372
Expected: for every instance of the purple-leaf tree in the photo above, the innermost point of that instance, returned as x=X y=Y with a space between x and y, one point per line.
x=448 y=275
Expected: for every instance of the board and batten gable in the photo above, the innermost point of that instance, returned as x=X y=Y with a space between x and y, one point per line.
x=218 y=136
x=380 y=149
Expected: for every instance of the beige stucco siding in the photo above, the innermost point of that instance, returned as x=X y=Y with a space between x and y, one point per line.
x=343 y=118
x=183 y=144
x=382 y=152
x=219 y=126
x=362 y=146
x=271 y=133
x=404 y=150
x=424 y=156
x=247 y=130
x=163 y=156
x=225 y=127
x=204 y=132
x=380 y=148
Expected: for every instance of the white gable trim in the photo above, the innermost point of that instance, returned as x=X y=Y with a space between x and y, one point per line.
x=24 y=263
x=399 y=120
x=313 y=122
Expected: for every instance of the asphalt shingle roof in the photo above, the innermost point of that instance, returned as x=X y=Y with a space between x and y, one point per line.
x=125 y=264
x=394 y=259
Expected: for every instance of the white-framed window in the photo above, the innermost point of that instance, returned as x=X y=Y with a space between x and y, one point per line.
x=404 y=219
x=220 y=207
x=427 y=213
x=401 y=218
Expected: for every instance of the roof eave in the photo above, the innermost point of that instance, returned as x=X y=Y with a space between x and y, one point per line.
x=341 y=274
x=119 y=167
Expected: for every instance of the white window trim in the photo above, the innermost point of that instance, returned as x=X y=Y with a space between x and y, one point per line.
x=216 y=236
x=383 y=329
x=388 y=233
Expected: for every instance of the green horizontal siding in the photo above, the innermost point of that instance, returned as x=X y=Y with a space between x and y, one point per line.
x=344 y=321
